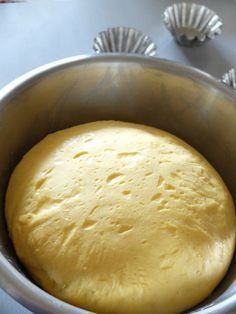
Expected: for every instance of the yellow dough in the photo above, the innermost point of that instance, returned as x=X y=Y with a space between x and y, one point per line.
x=117 y=217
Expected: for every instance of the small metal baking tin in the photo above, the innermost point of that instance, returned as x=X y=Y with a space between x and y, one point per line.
x=124 y=39
x=229 y=78
x=192 y=24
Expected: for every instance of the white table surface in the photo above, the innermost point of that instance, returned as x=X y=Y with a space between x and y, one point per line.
x=37 y=32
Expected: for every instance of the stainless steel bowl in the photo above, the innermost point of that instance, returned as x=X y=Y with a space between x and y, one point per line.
x=181 y=100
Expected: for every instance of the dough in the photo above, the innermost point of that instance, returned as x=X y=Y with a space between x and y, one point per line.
x=117 y=217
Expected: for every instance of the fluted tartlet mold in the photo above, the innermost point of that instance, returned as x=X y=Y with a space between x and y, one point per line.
x=124 y=39
x=191 y=23
x=229 y=78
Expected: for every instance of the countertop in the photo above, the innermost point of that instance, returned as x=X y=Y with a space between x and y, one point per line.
x=36 y=32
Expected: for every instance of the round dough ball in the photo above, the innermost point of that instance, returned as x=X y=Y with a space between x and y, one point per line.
x=118 y=217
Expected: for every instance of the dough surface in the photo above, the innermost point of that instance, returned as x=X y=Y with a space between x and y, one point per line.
x=117 y=217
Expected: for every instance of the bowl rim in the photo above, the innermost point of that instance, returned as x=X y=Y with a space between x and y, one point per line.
x=11 y=280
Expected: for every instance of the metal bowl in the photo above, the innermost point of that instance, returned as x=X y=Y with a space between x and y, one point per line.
x=178 y=99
